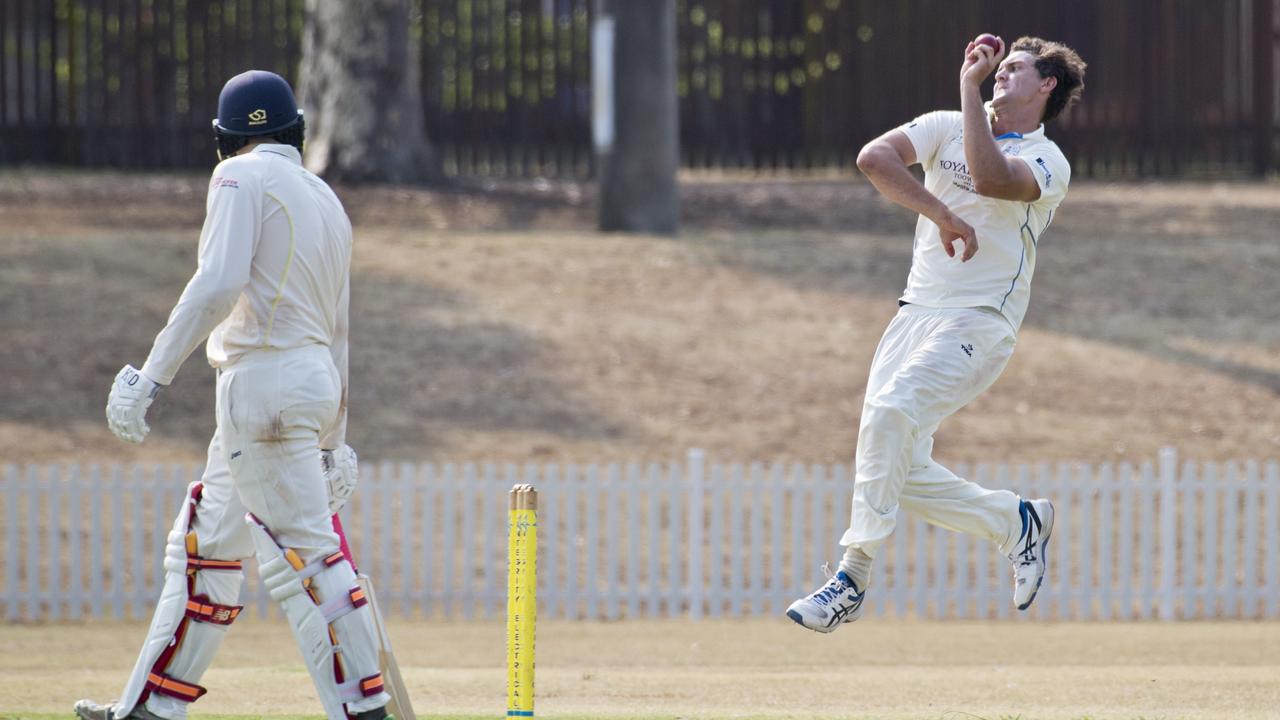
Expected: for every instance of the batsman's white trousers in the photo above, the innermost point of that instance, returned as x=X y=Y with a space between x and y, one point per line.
x=264 y=458
x=929 y=364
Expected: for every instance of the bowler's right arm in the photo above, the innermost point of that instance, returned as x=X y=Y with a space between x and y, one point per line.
x=885 y=162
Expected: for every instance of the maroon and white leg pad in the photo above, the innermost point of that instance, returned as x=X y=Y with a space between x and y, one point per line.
x=190 y=620
x=331 y=622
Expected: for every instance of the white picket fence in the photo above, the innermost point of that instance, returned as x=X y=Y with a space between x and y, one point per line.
x=691 y=538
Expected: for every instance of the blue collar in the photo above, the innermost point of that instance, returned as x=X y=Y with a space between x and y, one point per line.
x=1008 y=135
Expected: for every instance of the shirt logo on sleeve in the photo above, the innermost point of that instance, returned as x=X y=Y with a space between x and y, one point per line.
x=221 y=182
x=1048 y=176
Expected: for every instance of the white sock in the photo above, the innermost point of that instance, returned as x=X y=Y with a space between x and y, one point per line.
x=857 y=565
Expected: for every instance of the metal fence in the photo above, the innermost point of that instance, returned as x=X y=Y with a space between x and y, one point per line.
x=693 y=538
x=762 y=83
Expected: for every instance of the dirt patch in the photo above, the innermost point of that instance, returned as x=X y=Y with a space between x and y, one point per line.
x=491 y=323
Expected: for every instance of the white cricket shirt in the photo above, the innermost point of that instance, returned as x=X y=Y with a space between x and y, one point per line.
x=273 y=269
x=1009 y=231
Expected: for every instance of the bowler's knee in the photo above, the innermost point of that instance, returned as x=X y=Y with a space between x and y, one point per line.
x=889 y=415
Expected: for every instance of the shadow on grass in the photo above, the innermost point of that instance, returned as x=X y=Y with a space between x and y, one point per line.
x=434 y=367
x=79 y=308
x=1177 y=283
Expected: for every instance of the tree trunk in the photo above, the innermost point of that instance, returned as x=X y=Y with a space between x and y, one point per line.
x=638 y=189
x=360 y=90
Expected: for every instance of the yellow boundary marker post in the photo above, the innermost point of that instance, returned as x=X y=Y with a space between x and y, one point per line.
x=522 y=598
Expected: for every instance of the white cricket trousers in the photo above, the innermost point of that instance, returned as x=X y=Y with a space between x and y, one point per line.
x=264 y=458
x=929 y=364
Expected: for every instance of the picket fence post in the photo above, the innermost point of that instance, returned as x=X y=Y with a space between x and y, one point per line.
x=694 y=477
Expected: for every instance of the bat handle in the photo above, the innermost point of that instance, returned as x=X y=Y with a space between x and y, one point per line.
x=342 y=543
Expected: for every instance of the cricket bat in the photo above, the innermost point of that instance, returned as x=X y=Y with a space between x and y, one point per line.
x=399 y=706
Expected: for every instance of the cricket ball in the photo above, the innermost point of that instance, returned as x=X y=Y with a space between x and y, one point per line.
x=989 y=40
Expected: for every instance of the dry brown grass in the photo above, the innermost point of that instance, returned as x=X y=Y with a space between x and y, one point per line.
x=714 y=669
x=491 y=323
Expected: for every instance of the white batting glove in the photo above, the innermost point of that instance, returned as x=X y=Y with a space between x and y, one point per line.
x=131 y=394
x=341 y=472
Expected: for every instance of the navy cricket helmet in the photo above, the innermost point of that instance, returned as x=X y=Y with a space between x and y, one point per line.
x=253 y=104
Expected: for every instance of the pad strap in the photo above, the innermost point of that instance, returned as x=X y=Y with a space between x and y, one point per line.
x=201 y=609
x=343 y=604
x=196 y=564
x=360 y=689
x=371 y=685
x=165 y=685
x=309 y=571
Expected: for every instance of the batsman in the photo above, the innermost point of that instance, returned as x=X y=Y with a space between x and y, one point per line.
x=271 y=295
x=992 y=182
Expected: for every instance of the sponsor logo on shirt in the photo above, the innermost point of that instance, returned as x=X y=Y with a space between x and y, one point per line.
x=1048 y=176
x=960 y=174
x=968 y=349
x=220 y=182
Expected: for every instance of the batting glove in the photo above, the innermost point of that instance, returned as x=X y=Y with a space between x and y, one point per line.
x=341 y=472
x=131 y=395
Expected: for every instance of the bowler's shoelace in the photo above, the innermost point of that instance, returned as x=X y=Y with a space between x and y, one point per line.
x=831 y=590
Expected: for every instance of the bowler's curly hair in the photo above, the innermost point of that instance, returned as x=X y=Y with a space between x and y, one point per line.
x=1053 y=59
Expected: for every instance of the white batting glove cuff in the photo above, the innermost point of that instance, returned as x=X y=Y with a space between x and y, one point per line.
x=341 y=472
x=131 y=394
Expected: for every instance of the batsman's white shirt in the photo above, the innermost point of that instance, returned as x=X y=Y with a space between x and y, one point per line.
x=274 y=258
x=999 y=276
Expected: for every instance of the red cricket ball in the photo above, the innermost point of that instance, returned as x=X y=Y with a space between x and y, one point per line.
x=989 y=40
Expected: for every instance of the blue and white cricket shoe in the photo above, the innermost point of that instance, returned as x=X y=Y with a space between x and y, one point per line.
x=1028 y=554
x=837 y=602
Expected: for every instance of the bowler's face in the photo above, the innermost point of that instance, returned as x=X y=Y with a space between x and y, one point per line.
x=1017 y=80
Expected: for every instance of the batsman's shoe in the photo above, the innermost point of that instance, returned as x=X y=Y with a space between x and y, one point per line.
x=1028 y=554
x=837 y=602
x=90 y=710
